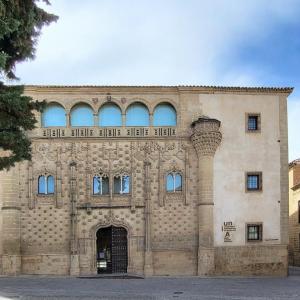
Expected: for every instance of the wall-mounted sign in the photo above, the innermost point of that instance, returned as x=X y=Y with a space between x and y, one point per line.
x=228 y=228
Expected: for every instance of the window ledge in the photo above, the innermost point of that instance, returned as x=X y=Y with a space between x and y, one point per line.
x=253 y=241
x=253 y=131
x=254 y=191
x=100 y=196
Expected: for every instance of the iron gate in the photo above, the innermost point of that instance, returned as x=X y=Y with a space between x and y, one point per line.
x=119 y=250
x=112 y=250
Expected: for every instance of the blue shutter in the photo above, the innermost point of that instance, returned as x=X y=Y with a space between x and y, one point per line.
x=50 y=185
x=170 y=183
x=110 y=115
x=137 y=114
x=178 y=182
x=82 y=115
x=54 y=115
x=164 y=115
x=41 y=185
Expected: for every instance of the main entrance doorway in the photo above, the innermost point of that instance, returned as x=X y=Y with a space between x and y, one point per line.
x=112 y=250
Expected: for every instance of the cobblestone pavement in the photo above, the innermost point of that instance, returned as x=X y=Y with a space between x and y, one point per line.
x=37 y=287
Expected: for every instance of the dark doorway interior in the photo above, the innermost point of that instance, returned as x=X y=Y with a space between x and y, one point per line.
x=112 y=250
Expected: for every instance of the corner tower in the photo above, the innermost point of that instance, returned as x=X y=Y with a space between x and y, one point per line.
x=206 y=138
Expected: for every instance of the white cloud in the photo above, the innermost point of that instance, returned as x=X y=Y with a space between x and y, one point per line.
x=148 y=42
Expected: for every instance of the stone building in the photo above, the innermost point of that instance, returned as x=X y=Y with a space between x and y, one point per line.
x=157 y=180
x=294 y=213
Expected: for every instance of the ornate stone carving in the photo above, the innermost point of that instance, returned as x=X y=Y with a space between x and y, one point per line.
x=206 y=136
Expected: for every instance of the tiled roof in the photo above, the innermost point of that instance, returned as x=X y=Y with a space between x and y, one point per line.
x=294 y=162
x=200 y=88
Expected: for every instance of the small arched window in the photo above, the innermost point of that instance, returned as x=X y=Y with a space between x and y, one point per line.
x=174 y=182
x=137 y=114
x=164 y=115
x=100 y=185
x=54 y=115
x=122 y=184
x=110 y=115
x=82 y=115
x=46 y=185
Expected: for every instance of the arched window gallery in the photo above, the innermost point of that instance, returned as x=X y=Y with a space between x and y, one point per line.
x=109 y=115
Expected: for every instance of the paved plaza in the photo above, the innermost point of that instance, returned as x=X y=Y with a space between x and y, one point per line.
x=36 y=287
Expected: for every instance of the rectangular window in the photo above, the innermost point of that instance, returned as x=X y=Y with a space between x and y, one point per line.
x=122 y=184
x=254 y=232
x=100 y=185
x=252 y=122
x=254 y=181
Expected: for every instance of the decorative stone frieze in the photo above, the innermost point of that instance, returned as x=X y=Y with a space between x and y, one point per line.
x=206 y=136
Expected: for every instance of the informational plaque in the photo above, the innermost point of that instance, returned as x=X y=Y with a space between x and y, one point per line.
x=228 y=228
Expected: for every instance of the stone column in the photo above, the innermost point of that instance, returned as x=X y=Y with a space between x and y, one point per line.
x=206 y=138
x=74 y=263
x=68 y=118
x=11 y=210
x=148 y=264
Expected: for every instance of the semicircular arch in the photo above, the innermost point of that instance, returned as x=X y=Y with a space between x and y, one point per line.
x=164 y=114
x=110 y=114
x=54 y=115
x=82 y=114
x=137 y=114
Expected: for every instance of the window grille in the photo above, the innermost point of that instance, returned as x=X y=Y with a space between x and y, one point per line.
x=254 y=232
x=253 y=122
x=254 y=181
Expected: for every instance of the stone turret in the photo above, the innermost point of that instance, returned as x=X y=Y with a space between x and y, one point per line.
x=206 y=138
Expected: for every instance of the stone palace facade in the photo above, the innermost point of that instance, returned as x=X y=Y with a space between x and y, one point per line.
x=294 y=213
x=157 y=180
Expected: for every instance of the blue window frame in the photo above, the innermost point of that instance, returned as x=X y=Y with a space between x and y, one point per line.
x=164 y=115
x=54 y=115
x=46 y=185
x=137 y=114
x=82 y=115
x=110 y=115
x=100 y=185
x=122 y=184
x=174 y=182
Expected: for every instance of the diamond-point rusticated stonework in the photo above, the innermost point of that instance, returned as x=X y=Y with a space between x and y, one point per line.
x=206 y=136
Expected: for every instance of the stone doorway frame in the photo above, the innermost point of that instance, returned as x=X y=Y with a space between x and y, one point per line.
x=93 y=237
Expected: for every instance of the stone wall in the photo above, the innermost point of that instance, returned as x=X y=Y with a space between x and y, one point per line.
x=294 y=224
x=251 y=260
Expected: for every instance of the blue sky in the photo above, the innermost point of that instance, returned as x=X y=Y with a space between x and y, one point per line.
x=170 y=42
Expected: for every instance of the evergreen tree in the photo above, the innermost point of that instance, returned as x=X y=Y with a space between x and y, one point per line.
x=21 y=22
